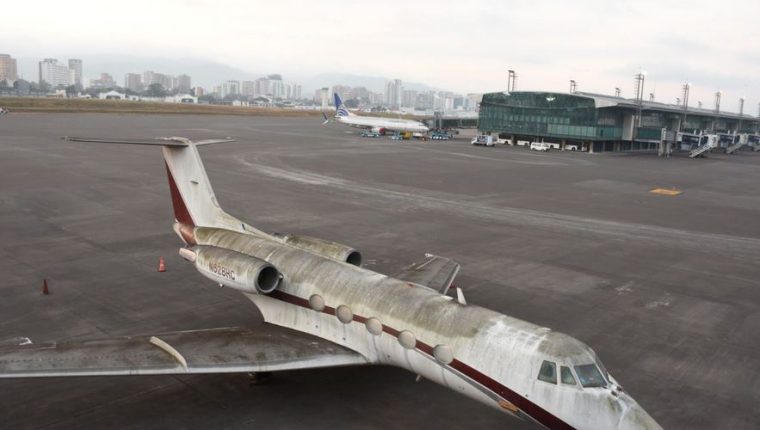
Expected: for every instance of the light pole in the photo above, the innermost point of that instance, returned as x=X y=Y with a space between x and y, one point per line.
x=639 y=97
x=718 y=94
x=741 y=114
x=511 y=78
x=573 y=86
x=617 y=91
x=685 y=93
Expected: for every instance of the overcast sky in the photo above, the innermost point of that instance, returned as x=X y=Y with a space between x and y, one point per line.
x=463 y=46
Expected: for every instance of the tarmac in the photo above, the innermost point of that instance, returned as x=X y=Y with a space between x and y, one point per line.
x=666 y=289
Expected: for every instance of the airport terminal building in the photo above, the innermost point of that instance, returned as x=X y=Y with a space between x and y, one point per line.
x=597 y=123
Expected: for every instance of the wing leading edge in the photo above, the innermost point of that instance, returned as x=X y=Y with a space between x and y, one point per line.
x=223 y=350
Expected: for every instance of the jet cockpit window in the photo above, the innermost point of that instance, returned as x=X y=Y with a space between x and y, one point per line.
x=548 y=372
x=566 y=375
x=590 y=376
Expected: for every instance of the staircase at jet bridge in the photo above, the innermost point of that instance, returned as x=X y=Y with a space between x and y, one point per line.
x=734 y=147
x=739 y=141
x=699 y=150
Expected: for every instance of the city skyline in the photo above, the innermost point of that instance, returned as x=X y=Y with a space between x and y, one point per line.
x=58 y=79
x=464 y=47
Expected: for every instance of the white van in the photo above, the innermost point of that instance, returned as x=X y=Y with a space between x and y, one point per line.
x=540 y=146
x=483 y=139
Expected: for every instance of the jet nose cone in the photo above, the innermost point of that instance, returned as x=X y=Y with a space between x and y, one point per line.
x=636 y=418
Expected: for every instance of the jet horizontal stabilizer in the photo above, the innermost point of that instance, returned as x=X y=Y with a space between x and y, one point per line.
x=434 y=272
x=159 y=141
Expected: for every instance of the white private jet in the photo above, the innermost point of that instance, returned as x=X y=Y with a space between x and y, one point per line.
x=332 y=312
x=375 y=123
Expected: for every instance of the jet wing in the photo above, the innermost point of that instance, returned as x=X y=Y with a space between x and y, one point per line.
x=224 y=350
x=434 y=272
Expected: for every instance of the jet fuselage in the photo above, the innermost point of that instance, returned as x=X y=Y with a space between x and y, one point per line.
x=485 y=355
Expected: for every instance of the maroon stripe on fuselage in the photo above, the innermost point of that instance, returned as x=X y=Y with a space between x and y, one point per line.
x=535 y=411
x=181 y=213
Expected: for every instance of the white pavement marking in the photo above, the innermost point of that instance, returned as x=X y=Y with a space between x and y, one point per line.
x=745 y=247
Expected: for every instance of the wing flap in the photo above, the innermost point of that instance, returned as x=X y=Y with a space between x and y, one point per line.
x=224 y=350
x=434 y=272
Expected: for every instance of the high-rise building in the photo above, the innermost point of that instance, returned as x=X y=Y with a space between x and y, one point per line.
x=184 y=83
x=343 y=91
x=230 y=89
x=473 y=101
x=277 y=87
x=360 y=93
x=53 y=74
x=133 y=82
x=150 y=77
x=409 y=98
x=105 y=81
x=295 y=92
x=75 y=71
x=394 y=93
x=262 y=87
x=248 y=88
x=376 y=98
x=8 y=69
x=323 y=96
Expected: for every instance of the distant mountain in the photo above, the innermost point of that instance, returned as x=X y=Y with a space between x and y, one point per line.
x=204 y=73
x=207 y=74
x=372 y=83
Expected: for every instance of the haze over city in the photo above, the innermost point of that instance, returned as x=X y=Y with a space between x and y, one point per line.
x=461 y=47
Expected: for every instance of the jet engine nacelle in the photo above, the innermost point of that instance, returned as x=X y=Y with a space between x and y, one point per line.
x=379 y=130
x=325 y=248
x=233 y=269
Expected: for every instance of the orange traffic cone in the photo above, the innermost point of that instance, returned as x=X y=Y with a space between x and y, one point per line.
x=45 y=290
x=161 y=264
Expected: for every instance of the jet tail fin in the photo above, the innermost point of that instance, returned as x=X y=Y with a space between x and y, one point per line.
x=340 y=109
x=193 y=198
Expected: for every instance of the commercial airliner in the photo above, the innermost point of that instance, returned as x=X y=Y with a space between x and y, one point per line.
x=376 y=123
x=321 y=308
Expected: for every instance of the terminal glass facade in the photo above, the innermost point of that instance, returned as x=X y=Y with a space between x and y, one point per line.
x=548 y=114
x=597 y=122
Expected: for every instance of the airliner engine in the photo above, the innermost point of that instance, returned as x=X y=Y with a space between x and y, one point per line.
x=325 y=248
x=233 y=269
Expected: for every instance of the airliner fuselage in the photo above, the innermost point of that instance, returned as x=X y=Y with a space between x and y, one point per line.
x=378 y=123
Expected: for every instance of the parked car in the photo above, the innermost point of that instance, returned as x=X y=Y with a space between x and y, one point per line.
x=369 y=134
x=571 y=147
x=540 y=146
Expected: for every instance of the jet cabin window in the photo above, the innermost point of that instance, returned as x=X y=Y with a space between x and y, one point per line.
x=548 y=372
x=589 y=376
x=566 y=375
